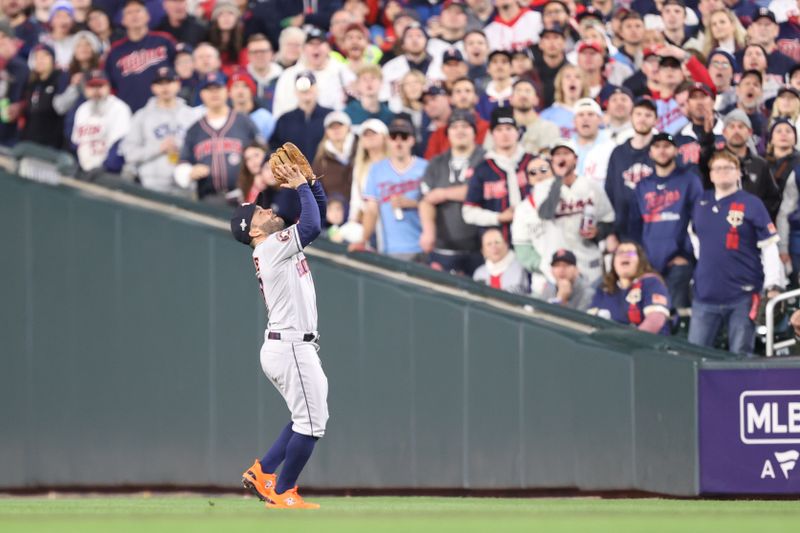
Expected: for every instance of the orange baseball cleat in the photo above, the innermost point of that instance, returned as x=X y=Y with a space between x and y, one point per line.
x=290 y=500
x=260 y=484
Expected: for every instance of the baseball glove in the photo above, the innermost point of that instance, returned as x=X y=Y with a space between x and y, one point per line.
x=289 y=154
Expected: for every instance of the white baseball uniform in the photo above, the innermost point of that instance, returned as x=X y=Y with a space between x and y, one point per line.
x=291 y=363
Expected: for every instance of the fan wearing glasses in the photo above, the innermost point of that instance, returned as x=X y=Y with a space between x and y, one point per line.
x=534 y=232
x=738 y=256
x=632 y=292
x=392 y=194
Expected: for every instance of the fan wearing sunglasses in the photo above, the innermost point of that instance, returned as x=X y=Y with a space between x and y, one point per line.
x=534 y=233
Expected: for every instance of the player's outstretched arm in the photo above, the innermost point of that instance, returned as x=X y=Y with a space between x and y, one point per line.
x=309 y=226
x=321 y=198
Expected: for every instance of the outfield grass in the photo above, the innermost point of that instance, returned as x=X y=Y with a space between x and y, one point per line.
x=199 y=514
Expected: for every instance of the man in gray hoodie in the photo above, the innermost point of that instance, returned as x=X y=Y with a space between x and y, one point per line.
x=153 y=145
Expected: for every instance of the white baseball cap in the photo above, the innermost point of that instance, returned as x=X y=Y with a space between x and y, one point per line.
x=587 y=104
x=337 y=116
x=373 y=124
x=564 y=143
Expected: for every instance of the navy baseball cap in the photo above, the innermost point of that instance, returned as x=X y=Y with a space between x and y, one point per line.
x=680 y=3
x=611 y=90
x=764 y=12
x=183 y=48
x=165 y=74
x=673 y=62
x=240 y=222
x=726 y=55
x=502 y=115
x=786 y=89
x=590 y=11
x=401 y=124
x=96 y=77
x=555 y=28
x=663 y=136
x=42 y=47
x=778 y=122
x=462 y=115
x=564 y=256
x=493 y=53
x=452 y=54
x=315 y=34
x=214 y=79
x=433 y=90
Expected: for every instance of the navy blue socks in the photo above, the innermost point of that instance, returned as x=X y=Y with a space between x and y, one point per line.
x=277 y=453
x=298 y=451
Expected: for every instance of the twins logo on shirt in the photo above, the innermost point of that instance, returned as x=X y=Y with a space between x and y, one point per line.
x=735 y=218
x=140 y=60
x=656 y=203
x=634 y=296
x=636 y=173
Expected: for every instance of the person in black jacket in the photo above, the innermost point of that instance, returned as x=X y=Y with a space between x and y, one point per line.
x=756 y=177
x=43 y=124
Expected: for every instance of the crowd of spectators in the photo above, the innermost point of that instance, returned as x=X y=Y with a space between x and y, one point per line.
x=637 y=159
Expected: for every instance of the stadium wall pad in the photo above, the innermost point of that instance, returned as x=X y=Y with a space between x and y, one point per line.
x=130 y=342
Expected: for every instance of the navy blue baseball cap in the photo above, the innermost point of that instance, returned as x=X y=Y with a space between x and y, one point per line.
x=564 y=256
x=240 y=222
x=215 y=79
x=165 y=74
x=663 y=136
x=452 y=54
x=183 y=48
x=726 y=55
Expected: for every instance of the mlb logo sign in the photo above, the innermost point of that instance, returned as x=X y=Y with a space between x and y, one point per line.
x=749 y=430
x=769 y=417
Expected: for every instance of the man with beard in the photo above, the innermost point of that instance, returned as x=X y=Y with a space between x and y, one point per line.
x=659 y=217
x=498 y=184
x=756 y=177
x=101 y=122
x=451 y=243
x=629 y=164
x=584 y=215
x=703 y=127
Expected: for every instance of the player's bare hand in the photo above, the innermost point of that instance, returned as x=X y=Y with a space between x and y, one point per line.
x=199 y=172
x=289 y=176
x=506 y=216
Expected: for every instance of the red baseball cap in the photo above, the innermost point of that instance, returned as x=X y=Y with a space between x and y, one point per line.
x=243 y=76
x=593 y=45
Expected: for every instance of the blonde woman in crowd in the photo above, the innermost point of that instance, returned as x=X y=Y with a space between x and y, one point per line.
x=569 y=88
x=412 y=85
x=372 y=146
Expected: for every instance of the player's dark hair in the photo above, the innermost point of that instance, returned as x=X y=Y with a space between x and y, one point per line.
x=611 y=279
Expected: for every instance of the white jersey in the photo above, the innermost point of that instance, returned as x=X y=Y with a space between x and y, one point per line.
x=530 y=229
x=569 y=214
x=286 y=283
x=97 y=126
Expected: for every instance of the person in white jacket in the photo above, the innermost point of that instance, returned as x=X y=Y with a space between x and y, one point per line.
x=100 y=123
x=153 y=144
x=328 y=73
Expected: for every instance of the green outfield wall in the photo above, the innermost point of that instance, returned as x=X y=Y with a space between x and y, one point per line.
x=129 y=341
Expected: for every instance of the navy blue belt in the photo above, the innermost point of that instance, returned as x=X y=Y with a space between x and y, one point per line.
x=275 y=336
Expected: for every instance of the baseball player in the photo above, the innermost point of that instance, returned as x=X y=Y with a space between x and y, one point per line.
x=289 y=354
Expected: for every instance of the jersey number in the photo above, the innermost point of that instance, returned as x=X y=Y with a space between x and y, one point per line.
x=302 y=267
x=260 y=282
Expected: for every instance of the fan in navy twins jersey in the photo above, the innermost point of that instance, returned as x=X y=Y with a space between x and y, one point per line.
x=212 y=150
x=132 y=62
x=632 y=293
x=630 y=163
x=738 y=256
x=659 y=217
x=704 y=128
x=498 y=184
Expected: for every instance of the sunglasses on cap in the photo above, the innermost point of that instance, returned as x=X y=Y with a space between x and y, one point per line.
x=399 y=135
x=544 y=169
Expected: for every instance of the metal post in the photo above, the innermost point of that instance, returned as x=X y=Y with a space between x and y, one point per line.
x=770 y=311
